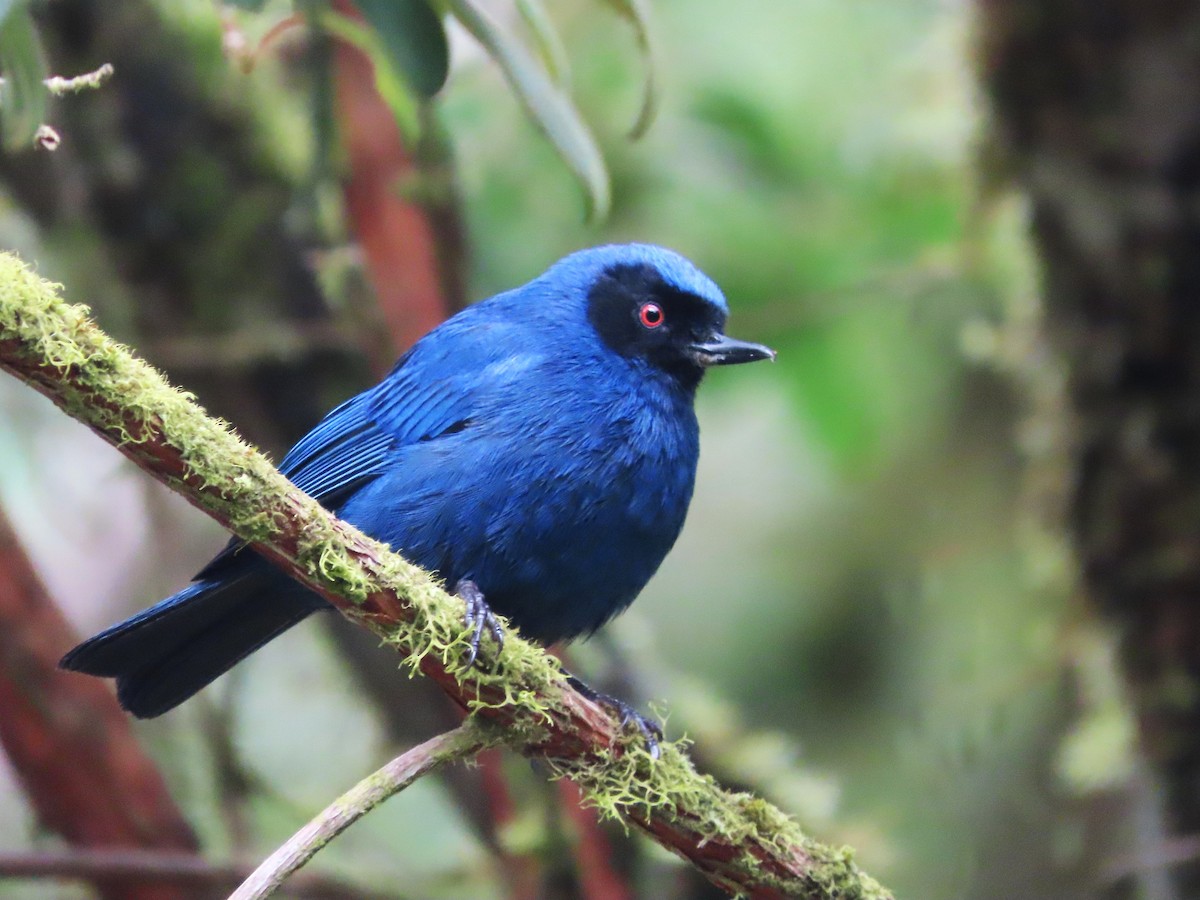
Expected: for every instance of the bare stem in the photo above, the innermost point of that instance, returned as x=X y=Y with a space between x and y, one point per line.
x=466 y=740
x=59 y=86
x=88 y=81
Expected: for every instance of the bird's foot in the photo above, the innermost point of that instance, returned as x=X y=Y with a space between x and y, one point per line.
x=651 y=731
x=480 y=615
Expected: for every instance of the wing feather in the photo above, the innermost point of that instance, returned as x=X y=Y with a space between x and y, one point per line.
x=355 y=442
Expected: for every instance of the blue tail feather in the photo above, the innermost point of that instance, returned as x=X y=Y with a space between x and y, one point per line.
x=167 y=653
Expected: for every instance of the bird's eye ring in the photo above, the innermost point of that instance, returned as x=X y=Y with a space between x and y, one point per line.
x=651 y=315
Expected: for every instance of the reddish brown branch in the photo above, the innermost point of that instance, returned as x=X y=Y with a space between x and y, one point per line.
x=181 y=870
x=70 y=744
x=395 y=206
x=522 y=871
x=598 y=878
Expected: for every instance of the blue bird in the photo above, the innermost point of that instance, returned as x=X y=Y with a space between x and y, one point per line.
x=537 y=451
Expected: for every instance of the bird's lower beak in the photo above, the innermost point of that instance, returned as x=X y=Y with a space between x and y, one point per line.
x=725 y=351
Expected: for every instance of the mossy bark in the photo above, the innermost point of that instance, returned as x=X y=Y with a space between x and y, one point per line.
x=740 y=841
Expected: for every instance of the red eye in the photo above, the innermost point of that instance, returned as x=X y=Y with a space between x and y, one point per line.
x=650 y=315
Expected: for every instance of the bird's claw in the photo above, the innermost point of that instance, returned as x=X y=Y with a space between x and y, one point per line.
x=651 y=731
x=479 y=614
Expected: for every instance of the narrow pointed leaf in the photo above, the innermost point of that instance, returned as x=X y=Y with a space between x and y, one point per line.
x=637 y=13
x=412 y=35
x=548 y=105
x=319 y=59
x=23 y=97
x=546 y=40
x=390 y=81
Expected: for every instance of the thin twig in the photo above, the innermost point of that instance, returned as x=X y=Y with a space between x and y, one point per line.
x=46 y=137
x=59 y=86
x=465 y=740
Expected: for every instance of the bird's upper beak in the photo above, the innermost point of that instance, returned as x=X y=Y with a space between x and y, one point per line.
x=720 y=350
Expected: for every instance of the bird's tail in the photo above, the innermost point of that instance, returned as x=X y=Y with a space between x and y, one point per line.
x=167 y=653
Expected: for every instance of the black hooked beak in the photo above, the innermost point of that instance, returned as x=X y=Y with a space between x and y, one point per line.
x=720 y=350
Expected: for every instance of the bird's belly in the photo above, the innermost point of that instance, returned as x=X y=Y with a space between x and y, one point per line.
x=558 y=545
x=566 y=568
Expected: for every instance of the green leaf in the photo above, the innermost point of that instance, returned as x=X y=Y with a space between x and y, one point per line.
x=319 y=59
x=248 y=5
x=637 y=13
x=7 y=6
x=23 y=97
x=412 y=35
x=546 y=40
x=390 y=82
x=548 y=105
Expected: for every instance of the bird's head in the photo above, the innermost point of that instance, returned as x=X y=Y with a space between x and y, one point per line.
x=652 y=304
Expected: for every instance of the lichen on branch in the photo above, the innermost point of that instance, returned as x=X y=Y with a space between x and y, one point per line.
x=741 y=842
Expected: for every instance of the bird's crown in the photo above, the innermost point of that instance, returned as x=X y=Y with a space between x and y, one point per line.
x=675 y=272
x=645 y=304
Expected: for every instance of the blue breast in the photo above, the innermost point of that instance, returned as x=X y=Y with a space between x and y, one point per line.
x=559 y=503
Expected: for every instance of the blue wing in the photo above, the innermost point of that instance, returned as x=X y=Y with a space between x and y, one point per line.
x=434 y=390
x=345 y=450
x=355 y=442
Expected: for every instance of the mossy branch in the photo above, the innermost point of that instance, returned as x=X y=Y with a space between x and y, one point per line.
x=739 y=841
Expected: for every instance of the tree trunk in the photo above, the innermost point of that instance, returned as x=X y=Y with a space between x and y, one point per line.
x=1098 y=108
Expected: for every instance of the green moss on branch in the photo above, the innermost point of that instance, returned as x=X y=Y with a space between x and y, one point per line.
x=739 y=841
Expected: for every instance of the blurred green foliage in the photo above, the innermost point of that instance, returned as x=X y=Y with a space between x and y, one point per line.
x=860 y=617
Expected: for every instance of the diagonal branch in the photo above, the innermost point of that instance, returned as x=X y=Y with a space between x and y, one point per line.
x=740 y=842
x=465 y=740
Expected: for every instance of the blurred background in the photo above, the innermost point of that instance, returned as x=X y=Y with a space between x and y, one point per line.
x=873 y=615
